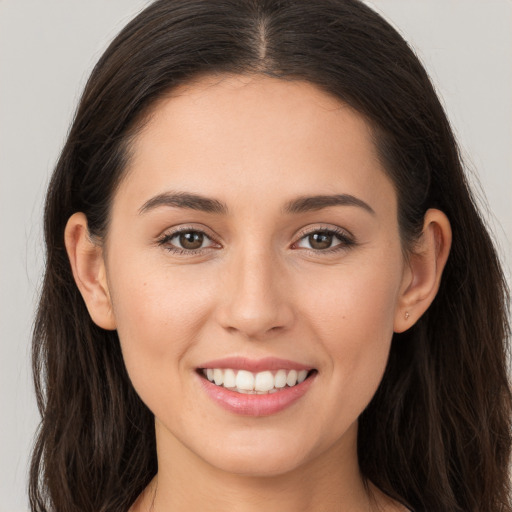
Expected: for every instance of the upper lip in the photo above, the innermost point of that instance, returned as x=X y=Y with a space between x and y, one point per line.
x=255 y=365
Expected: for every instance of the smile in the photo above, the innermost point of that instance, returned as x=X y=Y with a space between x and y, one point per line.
x=264 y=382
x=251 y=387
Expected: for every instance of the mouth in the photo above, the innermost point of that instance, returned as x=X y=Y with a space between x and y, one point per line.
x=255 y=387
x=256 y=383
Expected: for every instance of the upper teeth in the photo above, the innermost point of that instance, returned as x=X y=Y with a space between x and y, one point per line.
x=261 y=382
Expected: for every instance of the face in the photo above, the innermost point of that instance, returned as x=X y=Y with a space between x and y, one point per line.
x=255 y=235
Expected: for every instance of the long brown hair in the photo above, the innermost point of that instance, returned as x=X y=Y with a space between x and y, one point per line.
x=436 y=436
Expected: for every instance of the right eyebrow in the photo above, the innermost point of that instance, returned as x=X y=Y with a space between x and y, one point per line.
x=185 y=200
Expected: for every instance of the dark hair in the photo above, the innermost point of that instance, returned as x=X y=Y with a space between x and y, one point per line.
x=436 y=436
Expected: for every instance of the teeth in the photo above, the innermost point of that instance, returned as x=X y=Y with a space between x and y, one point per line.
x=280 y=379
x=218 y=377
x=229 y=379
x=291 y=379
x=246 y=382
x=301 y=376
x=264 y=381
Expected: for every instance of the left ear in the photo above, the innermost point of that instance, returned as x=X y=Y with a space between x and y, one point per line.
x=424 y=268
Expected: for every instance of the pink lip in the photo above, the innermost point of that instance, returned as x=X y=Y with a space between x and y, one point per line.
x=255 y=405
x=255 y=365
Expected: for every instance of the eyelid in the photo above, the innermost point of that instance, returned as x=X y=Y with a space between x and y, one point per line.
x=193 y=226
x=167 y=235
x=346 y=238
x=308 y=230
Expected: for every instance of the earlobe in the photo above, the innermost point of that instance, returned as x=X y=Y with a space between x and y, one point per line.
x=88 y=266
x=425 y=267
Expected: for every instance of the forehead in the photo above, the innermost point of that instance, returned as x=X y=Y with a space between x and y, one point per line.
x=223 y=134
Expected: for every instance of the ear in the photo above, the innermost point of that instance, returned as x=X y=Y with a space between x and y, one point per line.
x=423 y=271
x=88 y=266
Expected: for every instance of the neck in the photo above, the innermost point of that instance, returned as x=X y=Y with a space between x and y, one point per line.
x=186 y=482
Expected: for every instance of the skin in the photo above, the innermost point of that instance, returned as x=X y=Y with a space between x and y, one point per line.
x=256 y=289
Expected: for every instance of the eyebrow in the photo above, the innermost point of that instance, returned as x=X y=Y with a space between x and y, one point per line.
x=302 y=204
x=185 y=200
x=313 y=203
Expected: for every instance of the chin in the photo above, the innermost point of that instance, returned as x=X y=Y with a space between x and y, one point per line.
x=257 y=466
x=256 y=459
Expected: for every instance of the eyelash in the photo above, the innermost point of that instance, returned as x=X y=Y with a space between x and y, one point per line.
x=346 y=240
x=165 y=240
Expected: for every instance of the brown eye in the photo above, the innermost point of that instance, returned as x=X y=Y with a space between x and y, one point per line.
x=324 y=240
x=186 y=241
x=320 y=240
x=191 y=240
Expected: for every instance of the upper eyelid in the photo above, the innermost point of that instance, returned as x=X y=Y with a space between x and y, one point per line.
x=333 y=229
x=172 y=231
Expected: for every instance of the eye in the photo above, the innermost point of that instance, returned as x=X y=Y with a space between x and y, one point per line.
x=186 y=240
x=325 y=240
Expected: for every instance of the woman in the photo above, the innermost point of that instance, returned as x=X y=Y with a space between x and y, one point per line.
x=274 y=291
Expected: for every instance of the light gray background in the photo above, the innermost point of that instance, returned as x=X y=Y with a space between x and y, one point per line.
x=47 y=49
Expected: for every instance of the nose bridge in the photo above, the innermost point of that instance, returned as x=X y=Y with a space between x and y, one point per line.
x=256 y=301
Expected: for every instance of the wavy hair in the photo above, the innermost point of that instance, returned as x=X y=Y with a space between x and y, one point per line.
x=437 y=434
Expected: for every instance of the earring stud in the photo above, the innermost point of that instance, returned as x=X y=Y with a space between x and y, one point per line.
x=407 y=315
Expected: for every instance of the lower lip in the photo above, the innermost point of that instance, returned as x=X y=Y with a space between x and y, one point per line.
x=256 y=405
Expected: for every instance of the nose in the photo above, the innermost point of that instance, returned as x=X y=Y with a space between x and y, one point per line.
x=256 y=301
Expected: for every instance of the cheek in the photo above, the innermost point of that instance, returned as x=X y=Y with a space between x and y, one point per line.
x=352 y=319
x=159 y=315
x=355 y=302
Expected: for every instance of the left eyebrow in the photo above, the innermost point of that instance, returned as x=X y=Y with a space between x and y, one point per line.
x=312 y=203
